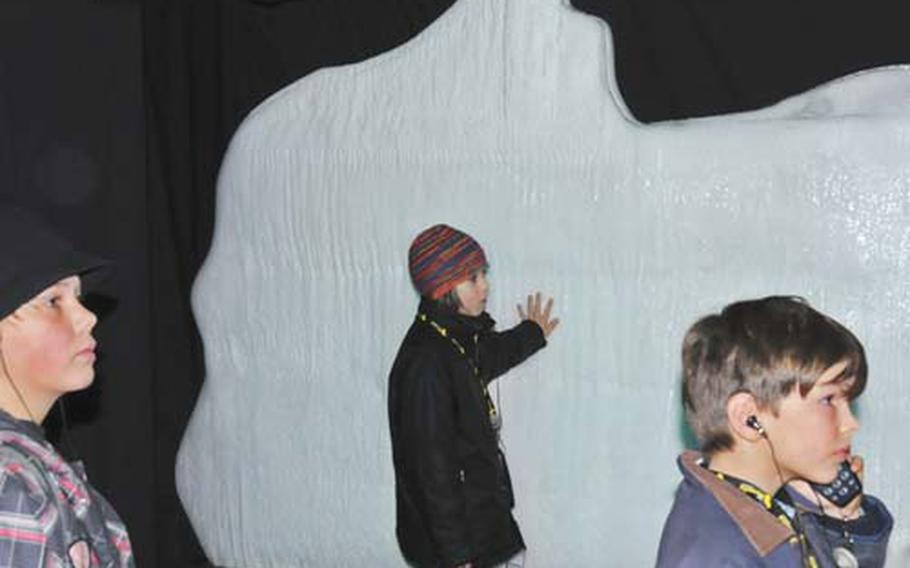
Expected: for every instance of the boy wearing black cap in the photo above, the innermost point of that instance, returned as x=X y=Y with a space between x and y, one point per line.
x=453 y=491
x=49 y=514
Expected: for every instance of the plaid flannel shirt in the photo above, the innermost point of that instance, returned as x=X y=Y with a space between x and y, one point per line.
x=49 y=515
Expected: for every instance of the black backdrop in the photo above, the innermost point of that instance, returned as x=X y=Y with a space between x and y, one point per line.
x=114 y=115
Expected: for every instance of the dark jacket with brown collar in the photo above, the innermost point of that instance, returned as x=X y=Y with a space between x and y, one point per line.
x=714 y=524
x=452 y=487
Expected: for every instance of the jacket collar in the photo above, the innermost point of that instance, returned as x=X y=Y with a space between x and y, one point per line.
x=457 y=324
x=763 y=531
x=7 y=422
x=27 y=438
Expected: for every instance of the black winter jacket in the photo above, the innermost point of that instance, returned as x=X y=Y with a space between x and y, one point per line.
x=452 y=486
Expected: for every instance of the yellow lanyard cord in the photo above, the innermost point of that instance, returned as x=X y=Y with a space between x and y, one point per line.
x=443 y=332
x=773 y=507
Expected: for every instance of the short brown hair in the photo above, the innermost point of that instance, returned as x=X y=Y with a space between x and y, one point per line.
x=765 y=347
x=450 y=300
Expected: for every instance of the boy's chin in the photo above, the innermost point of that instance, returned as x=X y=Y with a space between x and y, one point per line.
x=79 y=381
x=823 y=475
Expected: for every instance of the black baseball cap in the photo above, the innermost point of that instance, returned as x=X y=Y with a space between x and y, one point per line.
x=33 y=256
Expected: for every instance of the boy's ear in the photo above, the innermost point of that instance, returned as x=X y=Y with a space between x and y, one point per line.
x=740 y=407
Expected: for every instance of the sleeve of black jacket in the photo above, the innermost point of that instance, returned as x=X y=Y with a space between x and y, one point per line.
x=430 y=417
x=500 y=351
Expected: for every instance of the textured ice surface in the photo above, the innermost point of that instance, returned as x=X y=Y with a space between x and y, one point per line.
x=502 y=119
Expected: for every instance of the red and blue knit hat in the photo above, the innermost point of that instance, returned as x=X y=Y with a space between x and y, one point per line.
x=440 y=258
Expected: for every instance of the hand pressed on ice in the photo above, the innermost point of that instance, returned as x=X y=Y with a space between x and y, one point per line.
x=539 y=314
x=851 y=510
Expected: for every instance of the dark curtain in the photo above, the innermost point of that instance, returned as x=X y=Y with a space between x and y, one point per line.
x=114 y=115
x=690 y=58
x=72 y=146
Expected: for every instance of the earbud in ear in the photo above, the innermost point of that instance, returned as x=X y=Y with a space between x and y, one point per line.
x=752 y=422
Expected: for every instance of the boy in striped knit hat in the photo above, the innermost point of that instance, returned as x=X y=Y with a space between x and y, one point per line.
x=454 y=496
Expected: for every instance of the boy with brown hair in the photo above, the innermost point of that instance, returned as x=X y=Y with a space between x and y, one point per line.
x=767 y=387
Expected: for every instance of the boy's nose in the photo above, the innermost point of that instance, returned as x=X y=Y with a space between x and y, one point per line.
x=849 y=423
x=83 y=318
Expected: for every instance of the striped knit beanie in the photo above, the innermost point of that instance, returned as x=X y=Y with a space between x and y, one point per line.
x=442 y=257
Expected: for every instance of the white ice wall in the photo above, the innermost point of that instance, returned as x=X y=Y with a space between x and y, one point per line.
x=502 y=119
